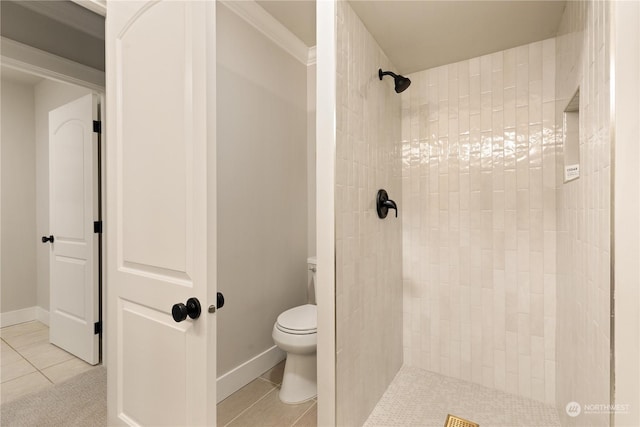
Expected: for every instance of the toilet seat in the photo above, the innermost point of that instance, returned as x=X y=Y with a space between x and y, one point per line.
x=301 y=320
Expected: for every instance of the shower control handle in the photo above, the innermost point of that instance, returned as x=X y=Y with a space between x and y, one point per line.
x=383 y=204
x=180 y=311
x=390 y=204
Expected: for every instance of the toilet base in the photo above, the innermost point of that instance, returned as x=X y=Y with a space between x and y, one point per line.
x=299 y=382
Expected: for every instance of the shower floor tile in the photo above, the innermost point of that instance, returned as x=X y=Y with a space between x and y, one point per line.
x=421 y=398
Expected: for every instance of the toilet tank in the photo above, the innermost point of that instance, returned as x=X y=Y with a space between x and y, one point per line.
x=311 y=265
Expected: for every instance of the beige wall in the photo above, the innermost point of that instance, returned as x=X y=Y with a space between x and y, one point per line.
x=583 y=214
x=311 y=159
x=262 y=187
x=18 y=197
x=49 y=95
x=479 y=220
x=368 y=249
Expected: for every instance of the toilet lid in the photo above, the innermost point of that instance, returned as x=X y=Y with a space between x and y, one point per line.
x=299 y=320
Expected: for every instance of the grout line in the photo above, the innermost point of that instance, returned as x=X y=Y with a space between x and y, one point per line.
x=41 y=371
x=250 y=406
x=31 y=363
x=303 y=414
x=23 y=357
x=64 y=361
x=18 y=377
x=45 y=375
x=270 y=382
x=28 y=361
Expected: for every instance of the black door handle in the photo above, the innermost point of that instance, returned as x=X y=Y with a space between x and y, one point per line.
x=219 y=300
x=46 y=239
x=192 y=309
x=219 y=303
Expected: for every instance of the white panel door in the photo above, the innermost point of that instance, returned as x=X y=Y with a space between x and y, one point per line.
x=73 y=207
x=160 y=81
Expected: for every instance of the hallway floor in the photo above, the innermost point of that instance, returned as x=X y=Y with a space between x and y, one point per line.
x=29 y=363
x=257 y=404
x=421 y=398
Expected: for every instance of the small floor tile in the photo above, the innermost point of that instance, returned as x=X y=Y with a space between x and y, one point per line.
x=419 y=397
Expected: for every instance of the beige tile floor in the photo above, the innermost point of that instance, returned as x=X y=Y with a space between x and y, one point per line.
x=28 y=362
x=257 y=404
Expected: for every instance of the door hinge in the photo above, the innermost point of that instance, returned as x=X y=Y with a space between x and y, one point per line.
x=97 y=328
x=97 y=126
x=97 y=227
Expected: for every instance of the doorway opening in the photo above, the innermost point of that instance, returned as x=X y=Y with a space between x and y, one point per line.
x=37 y=349
x=52 y=54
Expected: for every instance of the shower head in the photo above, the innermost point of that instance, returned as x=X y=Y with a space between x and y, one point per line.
x=401 y=81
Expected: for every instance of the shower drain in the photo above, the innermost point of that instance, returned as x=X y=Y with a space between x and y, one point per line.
x=453 y=421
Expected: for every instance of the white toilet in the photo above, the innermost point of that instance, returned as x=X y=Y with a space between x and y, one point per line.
x=295 y=332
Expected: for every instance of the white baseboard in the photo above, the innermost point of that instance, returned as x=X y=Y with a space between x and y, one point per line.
x=17 y=316
x=28 y=314
x=243 y=374
x=42 y=315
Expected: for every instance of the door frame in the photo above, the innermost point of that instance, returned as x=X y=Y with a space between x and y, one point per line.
x=625 y=211
x=37 y=62
x=325 y=210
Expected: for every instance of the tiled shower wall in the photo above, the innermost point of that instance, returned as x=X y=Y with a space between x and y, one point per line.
x=368 y=249
x=584 y=209
x=479 y=220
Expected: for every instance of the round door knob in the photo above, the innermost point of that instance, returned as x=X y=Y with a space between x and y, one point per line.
x=180 y=311
x=46 y=239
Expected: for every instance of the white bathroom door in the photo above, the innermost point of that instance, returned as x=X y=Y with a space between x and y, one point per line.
x=73 y=208
x=160 y=223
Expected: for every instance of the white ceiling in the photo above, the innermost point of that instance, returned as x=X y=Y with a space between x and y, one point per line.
x=299 y=16
x=417 y=35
